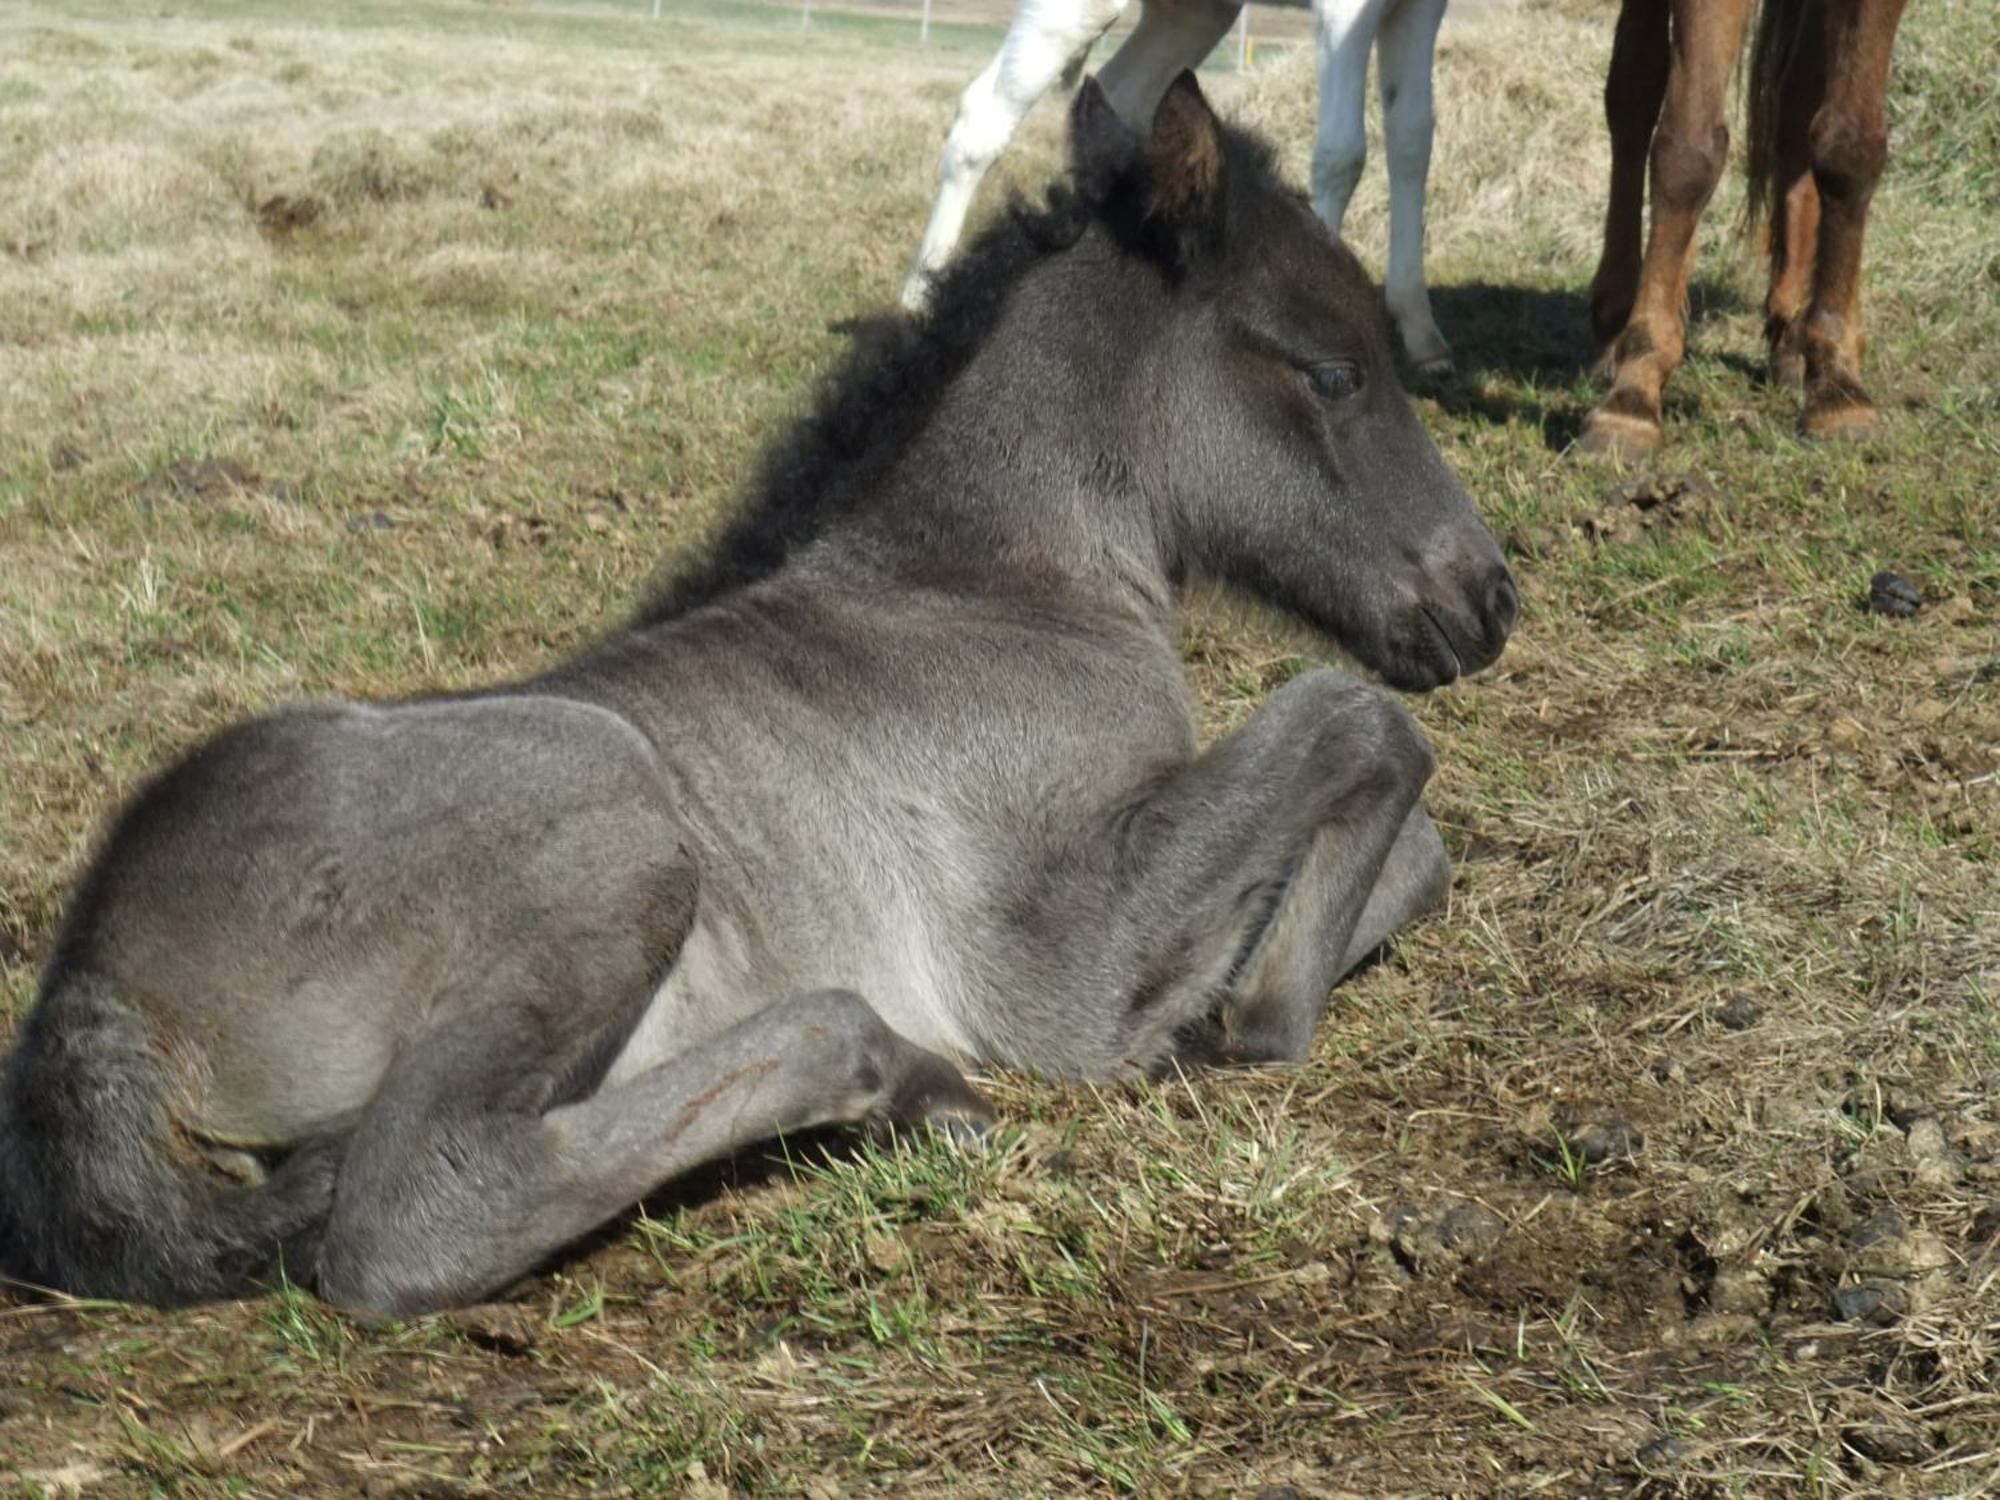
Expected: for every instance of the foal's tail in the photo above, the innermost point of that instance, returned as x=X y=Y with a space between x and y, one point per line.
x=1781 y=33
x=97 y=1199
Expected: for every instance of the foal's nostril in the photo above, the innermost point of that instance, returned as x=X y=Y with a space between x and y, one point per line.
x=1503 y=604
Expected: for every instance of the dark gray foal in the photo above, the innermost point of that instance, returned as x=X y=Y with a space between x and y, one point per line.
x=902 y=774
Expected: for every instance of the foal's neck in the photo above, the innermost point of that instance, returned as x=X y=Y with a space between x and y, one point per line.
x=1041 y=462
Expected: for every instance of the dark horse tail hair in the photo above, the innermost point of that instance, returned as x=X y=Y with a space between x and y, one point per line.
x=1781 y=34
x=96 y=1197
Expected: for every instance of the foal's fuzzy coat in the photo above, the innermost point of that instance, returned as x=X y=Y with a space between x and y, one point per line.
x=903 y=774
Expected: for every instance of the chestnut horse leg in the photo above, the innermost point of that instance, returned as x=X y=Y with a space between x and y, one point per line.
x=1794 y=204
x=1849 y=142
x=1690 y=148
x=1633 y=90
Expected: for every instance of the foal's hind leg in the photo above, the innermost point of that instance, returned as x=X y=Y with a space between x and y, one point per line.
x=1048 y=40
x=459 y=1178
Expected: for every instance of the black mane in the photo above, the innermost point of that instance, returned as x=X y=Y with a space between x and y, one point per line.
x=888 y=384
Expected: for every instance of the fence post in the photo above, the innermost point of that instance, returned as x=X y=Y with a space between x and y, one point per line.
x=924 y=31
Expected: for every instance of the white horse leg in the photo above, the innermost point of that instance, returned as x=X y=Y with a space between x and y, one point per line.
x=1048 y=39
x=1345 y=30
x=1172 y=35
x=1404 y=48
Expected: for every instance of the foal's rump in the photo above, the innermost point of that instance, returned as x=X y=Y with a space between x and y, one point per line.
x=267 y=924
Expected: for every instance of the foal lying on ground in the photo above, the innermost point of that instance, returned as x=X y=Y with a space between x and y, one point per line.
x=905 y=772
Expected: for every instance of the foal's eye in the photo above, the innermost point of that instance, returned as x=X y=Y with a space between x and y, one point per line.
x=1336 y=379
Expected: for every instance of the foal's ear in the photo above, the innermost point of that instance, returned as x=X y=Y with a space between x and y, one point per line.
x=1102 y=147
x=1185 y=157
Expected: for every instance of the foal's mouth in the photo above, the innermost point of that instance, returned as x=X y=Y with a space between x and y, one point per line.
x=1450 y=646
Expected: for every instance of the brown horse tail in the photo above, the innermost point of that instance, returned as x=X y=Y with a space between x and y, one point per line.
x=1781 y=28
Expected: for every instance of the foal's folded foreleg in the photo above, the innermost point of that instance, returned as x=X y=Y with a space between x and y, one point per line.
x=443 y=1197
x=1276 y=1002
x=1256 y=869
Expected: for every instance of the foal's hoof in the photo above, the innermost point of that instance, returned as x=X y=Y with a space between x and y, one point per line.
x=1437 y=367
x=935 y=1097
x=1618 y=434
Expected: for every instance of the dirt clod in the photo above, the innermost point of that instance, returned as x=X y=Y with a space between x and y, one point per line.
x=1738 y=1013
x=1891 y=594
x=1438 y=1235
x=1887 y=1440
x=496 y=1327
x=1661 y=1452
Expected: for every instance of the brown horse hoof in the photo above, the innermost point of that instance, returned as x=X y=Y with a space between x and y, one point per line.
x=1617 y=434
x=1604 y=366
x=1841 y=417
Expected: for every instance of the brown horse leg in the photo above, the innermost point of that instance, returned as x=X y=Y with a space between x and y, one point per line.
x=1690 y=149
x=1795 y=209
x=1850 y=144
x=1633 y=90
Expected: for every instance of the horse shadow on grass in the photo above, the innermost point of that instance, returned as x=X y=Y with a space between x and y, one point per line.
x=1521 y=352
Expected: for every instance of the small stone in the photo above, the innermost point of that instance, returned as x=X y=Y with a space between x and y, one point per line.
x=1875 y=1302
x=1608 y=1140
x=1738 y=1013
x=1891 y=594
x=1886 y=1225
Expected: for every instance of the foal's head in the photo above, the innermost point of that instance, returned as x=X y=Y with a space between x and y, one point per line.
x=1291 y=462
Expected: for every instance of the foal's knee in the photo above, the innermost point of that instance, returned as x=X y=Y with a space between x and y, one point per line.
x=1360 y=726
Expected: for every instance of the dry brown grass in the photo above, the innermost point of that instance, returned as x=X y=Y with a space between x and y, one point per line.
x=390 y=347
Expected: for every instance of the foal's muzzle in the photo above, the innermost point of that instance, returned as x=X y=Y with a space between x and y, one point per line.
x=1462 y=616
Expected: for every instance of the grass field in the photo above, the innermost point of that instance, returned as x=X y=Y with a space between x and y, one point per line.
x=382 y=348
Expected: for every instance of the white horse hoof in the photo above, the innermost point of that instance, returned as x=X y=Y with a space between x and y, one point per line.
x=916 y=295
